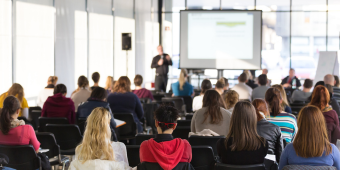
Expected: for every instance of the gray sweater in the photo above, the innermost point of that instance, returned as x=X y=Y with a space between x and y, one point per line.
x=222 y=128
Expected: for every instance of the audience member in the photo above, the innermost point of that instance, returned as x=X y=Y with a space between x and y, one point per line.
x=95 y=78
x=311 y=145
x=58 y=105
x=198 y=100
x=109 y=84
x=182 y=87
x=265 y=71
x=82 y=93
x=250 y=82
x=336 y=83
x=320 y=99
x=122 y=100
x=219 y=86
x=260 y=91
x=269 y=131
x=303 y=95
x=97 y=99
x=242 y=89
x=212 y=116
x=139 y=91
x=226 y=86
x=288 y=81
x=285 y=103
x=333 y=102
x=18 y=91
x=47 y=91
x=286 y=121
x=12 y=130
x=242 y=146
x=96 y=151
x=231 y=98
x=329 y=79
x=164 y=149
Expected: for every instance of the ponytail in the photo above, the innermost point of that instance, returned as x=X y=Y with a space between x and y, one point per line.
x=10 y=106
x=182 y=77
x=273 y=98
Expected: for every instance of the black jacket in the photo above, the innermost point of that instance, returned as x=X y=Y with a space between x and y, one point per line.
x=285 y=80
x=272 y=133
x=163 y=69
x=155 y=166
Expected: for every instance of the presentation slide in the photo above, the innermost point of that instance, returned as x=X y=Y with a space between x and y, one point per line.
x=220 y=39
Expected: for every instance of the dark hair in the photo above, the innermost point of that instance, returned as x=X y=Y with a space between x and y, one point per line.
x=220 y=83
x=319 y=83
x=122 y=85
x=138 y=80
x=60 y=88
x=263 y=79
x=206 y=85
x=243 y=77
x=98 y=93
x=273 y=97
x=82 y=81
x=337 y=82
x=308 y=83
x=166 y=114
x=213 y=101
x=95 y=77
x=226 y=82
x=10 y=106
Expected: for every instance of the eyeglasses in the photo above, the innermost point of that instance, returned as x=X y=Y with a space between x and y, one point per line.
x=162 y=124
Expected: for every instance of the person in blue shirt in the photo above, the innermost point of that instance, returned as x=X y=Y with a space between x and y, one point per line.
x=182 y=87
x=311 y=145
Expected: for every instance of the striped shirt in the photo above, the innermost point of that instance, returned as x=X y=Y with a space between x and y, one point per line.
x=287 y=124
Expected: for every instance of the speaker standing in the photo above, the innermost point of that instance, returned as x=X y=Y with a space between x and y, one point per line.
x=161 y=62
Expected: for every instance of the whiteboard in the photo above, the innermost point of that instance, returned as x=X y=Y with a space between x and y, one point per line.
x=328 y=64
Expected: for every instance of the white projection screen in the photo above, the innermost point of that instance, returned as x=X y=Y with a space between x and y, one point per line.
x=220 y=39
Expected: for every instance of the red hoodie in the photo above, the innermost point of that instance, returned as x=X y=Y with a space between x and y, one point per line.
x=167 y=154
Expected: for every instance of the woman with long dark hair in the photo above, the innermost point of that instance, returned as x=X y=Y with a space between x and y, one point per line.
x=213 y=115
x=242 y=146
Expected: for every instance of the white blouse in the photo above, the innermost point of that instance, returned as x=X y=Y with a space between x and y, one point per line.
x=197 y=103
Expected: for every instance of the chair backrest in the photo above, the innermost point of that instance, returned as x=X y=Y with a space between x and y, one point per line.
x=158 y=97
x=220 y=166
x=188 y=103
x=133 y=155
x=183 y=122
x=202 y=158
x=179 y=102
x=67 y=136
x=307 y=167
x=140 y=138
x=33 y=117
x=50 y=120
x=188 y=116
x=205 y=141
x=156 y=166
x=130 y=128
x=33 y=108
x=21 y=157
x=149 y=109
x=181 y=132
x=144 y=100
x=81 y=122
x=47 y=141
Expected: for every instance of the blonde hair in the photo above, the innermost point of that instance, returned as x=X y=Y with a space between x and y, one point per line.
x=182 y=77
x=283 y=95
x=231 y=98
x=16 y=90
x=52 y=80
x=96 y=143
x=109 y=83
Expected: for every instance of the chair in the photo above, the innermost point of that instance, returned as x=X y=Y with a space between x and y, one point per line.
x=21 y=157
x=50 y=120
x=181 y=132
x=33 y=117
x=67 y=136
x=24 y=119
x=296 y=106
x=31 y=109
x=129 y=130
x=179 y=103
x=188 y=116
x=149 y=109
x=188 y=103
x=202 y=158
x=205 y=141
x=48 y=141
x=307 y=167
x=144 y=100
x=156 y=166
x=140 y=138
x=158 y=97
x=133 y=155
x=220 y=166
x=183 y=123
x=81 y=122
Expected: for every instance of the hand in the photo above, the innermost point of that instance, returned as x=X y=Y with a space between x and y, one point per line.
x=287 y=85
x=168 y=57
x=160 y=62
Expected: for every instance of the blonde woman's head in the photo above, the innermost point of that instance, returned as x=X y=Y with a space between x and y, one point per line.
x=182 y=78
x=96 y=143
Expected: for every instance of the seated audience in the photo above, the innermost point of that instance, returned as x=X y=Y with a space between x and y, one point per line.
x=329 y=79
x=311 y=145
x=219 y=86
x=58 y=105
x=288 y=81
x=122 y=100
x=242 y=146
x=320 y=99
x=305 y=93
x=95 y=78
x=250 y=80
x=198 y=100
x=231 y=98
x=139 y=91
x=336 y=83
x=286 y=121
x=260 y=91
x=269 y=131
x=97 y=151
x=47 y=91
x=265 y=71
x=164 y=149
x=242 y=89
x=182 y=87
x=285 y=103
x=97 y=99
x=12 y=130
x=82 y=93
x=212 y=116
x=109 y=84
x=18 y=91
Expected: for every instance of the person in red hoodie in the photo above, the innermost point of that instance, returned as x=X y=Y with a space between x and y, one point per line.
x=58 y=105
x=164 y=149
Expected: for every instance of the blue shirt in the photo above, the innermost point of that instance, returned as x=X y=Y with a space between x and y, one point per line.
x=287 y=124
x=289 y=157
x=188 y=89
